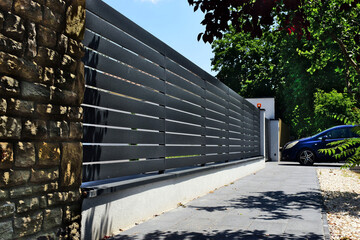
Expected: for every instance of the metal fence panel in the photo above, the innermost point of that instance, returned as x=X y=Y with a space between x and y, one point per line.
x=147 y=108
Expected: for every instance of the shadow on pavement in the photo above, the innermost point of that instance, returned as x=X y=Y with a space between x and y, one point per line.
x=216 y=235
x=316 y=165
x=275 y=204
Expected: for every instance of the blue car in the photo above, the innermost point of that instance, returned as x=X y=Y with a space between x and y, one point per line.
x=305 y=150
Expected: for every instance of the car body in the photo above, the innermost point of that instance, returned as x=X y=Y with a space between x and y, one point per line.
x=305 y=150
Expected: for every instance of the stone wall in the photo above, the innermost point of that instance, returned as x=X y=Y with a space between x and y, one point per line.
x=41 y=89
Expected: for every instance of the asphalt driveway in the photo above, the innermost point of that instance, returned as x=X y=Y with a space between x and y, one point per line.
x=282 y=201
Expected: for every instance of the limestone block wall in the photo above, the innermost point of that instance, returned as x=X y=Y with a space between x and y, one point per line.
x=41 y=89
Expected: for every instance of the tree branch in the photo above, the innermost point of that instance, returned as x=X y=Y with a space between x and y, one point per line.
x=347 y=80
x=346 y=54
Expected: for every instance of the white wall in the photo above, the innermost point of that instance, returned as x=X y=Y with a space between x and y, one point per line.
x=266 y=103
x=269 y=105
x=274 y=153
x=106 y=214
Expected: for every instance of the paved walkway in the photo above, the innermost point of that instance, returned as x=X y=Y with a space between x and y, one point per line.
x=281 y=201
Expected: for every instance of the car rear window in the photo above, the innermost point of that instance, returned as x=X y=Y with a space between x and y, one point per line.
x=340 y=133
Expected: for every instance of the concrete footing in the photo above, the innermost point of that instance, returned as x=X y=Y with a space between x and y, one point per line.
x=110 y=213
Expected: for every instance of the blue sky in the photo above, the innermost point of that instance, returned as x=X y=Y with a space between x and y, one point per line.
x=172 y=21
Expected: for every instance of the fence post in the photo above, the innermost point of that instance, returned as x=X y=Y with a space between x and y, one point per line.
x=262 y=132
x=228 y=123
x=162 y=171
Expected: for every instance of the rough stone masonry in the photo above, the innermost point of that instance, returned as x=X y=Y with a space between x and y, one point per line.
x=41 y=89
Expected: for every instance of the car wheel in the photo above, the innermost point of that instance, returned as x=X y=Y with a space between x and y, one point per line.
x=306 y=157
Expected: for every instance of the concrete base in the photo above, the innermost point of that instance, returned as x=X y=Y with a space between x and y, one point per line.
x=106 y=214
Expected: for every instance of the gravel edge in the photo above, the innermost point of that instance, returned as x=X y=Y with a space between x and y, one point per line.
x=342 y=209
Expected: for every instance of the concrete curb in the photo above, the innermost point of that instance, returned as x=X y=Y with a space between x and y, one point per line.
x=323 y=213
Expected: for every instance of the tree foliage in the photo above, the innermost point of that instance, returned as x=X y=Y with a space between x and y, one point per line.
x=318 y=21
x=251 y=67
x=347 y=149
x=330 y=104
x=300 y=51
x=271 y=67
x=254 y=16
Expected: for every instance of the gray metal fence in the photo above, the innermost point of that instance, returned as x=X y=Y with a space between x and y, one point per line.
x=147 y=108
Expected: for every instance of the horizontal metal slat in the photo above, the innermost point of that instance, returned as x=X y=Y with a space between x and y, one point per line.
x=96 y=172
x=235 y=106
x=235 y=115
x=236 y=142
x=185 y=84
x=222 y=149
x=108 y=100
x=236 y=98
x=216 y=132
x=110 y=135
x=184 y=139
x=105 y=82
x=177 y=69
x=247 y=131
x=236 y=128
x=248 y=124
x=250 y=154
x=216 y=107
x=236 y=135
x=213 y=98
x=250 y=106
x=111 y=67
x=91 y=78
x=237 y=156
x=184 y=117
x=217 y=141
x=184 y=128
x=184 y=150
x=216 y=124
x=248 y=116
x=187 y=64
x=217 y=116
x=184 y=106
x=217 y=83
x=236 y=121
x=112 y=50
x=182 y=94
x=185 y=161
x=217 y=157
x=247 y=138
x=237 y=149
x=217 y=91
x=245 y=128
x=119 y=119
x=98 y=153
x=249 y=148
x=102 y=27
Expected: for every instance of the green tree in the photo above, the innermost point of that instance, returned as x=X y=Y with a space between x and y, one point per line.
x=270 y=66
x=335 y=35
x=333 y=108
x=320 y=21
x=251 y=67
x=332 y=31
x=329 y=104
